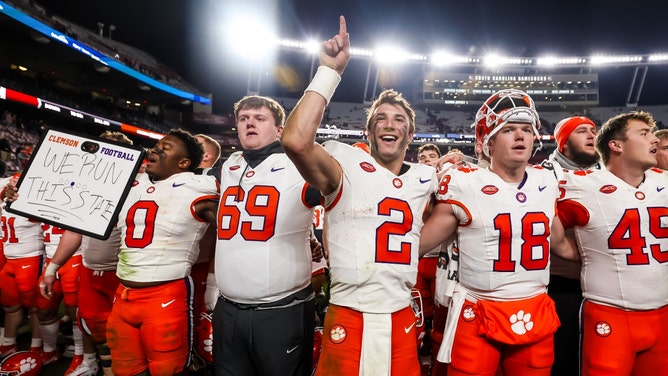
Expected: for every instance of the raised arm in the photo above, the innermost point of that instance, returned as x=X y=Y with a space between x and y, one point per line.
x=317 y=167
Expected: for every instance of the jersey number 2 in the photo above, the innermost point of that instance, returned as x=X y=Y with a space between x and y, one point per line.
x=387 y=229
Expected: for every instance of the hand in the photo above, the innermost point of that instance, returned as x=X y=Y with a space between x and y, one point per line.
x=447 y=162
x=10 y=193
x=46 y=285
x=316 y=250
x=335 y=52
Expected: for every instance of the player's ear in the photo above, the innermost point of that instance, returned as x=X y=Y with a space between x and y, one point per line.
x=184 y=164
x=615 y=145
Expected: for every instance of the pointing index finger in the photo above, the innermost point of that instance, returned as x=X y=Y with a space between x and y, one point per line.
x=342 y=26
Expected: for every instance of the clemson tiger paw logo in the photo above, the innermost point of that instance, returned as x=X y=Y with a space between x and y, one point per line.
x=520 y=322
x=468 y=314
x=208 y=343
x=603 y=329
x=27 y=364
x=337 y=334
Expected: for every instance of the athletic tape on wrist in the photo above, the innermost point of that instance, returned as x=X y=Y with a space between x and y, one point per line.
x=325 y=82
x=51 y=269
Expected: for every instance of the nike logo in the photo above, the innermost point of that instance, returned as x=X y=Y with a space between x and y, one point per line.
x=168 y=303
x=542 y=188
x=422 y=181
x=25 y=266
x=75 y=265
x=408 y=328
x=177 y=184
x=659 y=189
x=274 y=169
x=288 y=351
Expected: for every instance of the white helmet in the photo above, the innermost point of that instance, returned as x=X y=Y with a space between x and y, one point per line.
x=505 y=106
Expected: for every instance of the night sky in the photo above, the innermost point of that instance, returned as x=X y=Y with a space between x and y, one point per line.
x=186 y=35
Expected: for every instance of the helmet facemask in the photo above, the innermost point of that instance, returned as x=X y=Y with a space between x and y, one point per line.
x=503 y=107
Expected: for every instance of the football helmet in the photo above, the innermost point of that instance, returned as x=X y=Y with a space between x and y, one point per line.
x=21 y=363
x=204 y=345
x=416 y=304
x=505 y=106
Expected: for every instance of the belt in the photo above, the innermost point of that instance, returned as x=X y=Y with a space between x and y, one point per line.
x=299 y=297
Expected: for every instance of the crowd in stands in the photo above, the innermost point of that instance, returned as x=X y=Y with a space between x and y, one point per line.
x=83 y=102
x=131 y=57
x=17 y=139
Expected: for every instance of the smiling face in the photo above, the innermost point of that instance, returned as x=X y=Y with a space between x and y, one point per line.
x=257 y=127
x=389 y=133
x=169 y=156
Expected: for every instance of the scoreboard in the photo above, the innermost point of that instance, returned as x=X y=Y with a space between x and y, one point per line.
x=545 y=89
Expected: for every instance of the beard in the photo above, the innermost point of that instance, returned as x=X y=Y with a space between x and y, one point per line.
x=582 y=158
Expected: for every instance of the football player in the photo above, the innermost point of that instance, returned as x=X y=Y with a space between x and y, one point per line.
x=500 y=315
x=374 y=206
x=618 y=215
x=575 y=151
x=263 y=325
x=162 y=221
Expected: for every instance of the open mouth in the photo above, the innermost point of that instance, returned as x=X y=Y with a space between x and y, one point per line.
x=389 y=138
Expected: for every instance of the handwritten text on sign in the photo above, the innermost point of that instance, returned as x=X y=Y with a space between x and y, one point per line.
x=76 y=181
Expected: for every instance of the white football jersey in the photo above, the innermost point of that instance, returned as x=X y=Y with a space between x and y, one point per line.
x=160 y=231
x=622 y=236
x=101 y=255
x=503 y=235
x=372 y=226
x=52 y=235
x=263 y=252
x=21 y=237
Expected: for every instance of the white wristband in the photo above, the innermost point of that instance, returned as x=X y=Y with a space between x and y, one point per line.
x=51 y=269
x=324 y=82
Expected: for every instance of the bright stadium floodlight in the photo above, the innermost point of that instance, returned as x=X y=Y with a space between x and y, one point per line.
x=657 y=57
x=393 y=54
x=360 y=52
x=493 y=60
x=251 y=38
x=548 y=61
x=312 y=46
x=603 y=59
x=444 y=58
